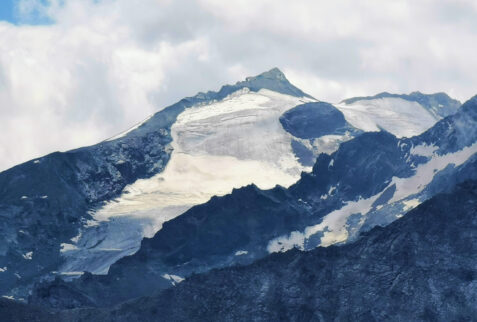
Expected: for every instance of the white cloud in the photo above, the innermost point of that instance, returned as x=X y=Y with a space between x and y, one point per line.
x=103 y=65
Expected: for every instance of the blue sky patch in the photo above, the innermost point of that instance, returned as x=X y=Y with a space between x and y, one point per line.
x=9 y=11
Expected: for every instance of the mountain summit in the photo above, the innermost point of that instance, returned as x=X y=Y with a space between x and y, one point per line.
x=274 y=73
x=273 y=80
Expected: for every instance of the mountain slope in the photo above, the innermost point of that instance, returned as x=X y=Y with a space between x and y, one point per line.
x=422 y=267
x=370 y=180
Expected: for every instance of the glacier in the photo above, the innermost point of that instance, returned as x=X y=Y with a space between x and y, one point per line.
x=216 y=147
x=398 y=116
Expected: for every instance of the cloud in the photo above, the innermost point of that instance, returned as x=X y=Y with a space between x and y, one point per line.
x=99 y=66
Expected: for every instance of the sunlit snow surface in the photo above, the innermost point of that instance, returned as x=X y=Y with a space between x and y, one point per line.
x=398 y=116
x=216 y=147
x=173 y=278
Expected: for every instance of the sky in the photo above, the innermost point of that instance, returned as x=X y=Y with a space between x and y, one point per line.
x=7 y=11
x=75 y=72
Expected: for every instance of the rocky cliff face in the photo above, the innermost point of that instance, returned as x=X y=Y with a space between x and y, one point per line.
x=44 y=202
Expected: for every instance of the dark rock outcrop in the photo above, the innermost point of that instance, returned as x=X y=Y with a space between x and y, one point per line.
x=313 y=120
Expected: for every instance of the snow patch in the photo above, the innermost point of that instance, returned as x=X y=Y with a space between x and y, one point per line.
x=331 y=190
x=77 y=238
x=36 y=161
x=173 y=278
x=4 y=269
x=398 y=116
x=296 y=239
x=424 y=150
x=425 y=172
x=65 y=247
x=241 y=252
x=330 y=143
x=333 y=227
x=24 y=197
x=72 y=273
x=410 y=204
x=28 y=255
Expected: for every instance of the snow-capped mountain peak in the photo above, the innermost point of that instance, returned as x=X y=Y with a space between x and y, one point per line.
x=103 y=199
x=370 y=180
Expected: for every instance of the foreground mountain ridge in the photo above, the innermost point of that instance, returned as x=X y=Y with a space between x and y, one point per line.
x=422 y=267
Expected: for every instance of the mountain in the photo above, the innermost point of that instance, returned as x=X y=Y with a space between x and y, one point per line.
x=370 y=180
x=422 y=267
x=84 y=209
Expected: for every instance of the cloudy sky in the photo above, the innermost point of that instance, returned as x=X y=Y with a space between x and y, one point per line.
x=74 y=72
